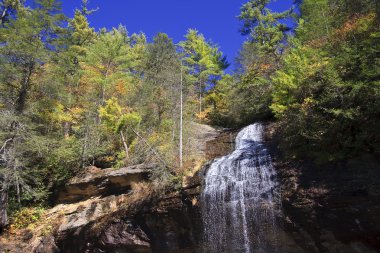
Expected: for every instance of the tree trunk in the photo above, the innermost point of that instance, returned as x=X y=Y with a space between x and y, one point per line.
x=66 y=129
x=181 y=125
x=125 y=145
x=3 y=16
x=3 y=208
x=200 y=97
x=23 y=93
x=326 y=25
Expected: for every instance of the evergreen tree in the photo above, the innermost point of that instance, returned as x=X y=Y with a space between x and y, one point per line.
x=29 y=41
x=204 y=60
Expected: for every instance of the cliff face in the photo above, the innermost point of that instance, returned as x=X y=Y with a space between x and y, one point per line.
x=136 y=219
x=136 y=224
x=325 y=209
x=330 y=208
x=333 y=208
x=108 y=210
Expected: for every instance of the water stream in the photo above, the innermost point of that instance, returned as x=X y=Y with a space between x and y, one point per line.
x=239 y=202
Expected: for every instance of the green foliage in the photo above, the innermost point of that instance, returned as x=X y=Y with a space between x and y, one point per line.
x=247 y=96
x=26 y=216
x=321 y=83
x=204 y=60
x=326 y=95
x=115 y=119
x=9 y=10
x=265 y=30
x=162 y=74
x=28 y=40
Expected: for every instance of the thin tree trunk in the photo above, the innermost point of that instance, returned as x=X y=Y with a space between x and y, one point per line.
x=84 y=150
x=21 y=100
x=324 y=18
x=181 y=125
x=3 y=15
x=66 y=129
x=200 y=96
x=3 y=208
x=125 y=145
x=18 y=192
x=151 y=148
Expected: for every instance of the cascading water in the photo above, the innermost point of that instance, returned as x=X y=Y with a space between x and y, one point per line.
x=239 y=202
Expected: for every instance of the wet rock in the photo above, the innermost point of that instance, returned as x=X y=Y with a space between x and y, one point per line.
x=221 y=145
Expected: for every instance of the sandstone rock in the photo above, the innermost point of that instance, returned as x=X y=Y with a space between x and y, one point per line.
x=102 y=182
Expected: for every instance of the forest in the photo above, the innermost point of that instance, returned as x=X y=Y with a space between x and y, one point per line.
x=72 y=96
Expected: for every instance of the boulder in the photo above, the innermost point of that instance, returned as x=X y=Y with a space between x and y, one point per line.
x=121 y=234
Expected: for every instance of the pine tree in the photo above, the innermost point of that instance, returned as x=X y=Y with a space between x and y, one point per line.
x=204 y=60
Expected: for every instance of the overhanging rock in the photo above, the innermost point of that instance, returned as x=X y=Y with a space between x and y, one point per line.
x=103 y=182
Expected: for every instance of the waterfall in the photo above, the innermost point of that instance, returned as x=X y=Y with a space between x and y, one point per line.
x=239 y=202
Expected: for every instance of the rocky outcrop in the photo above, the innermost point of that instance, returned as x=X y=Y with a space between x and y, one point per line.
x=138 y=221
x=103 y=182
x=331 y=208
x=108 y=210
x=221 y=145
x=336 y=207
x=156 y=224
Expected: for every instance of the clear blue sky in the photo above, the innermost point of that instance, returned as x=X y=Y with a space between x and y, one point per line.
x=216 y=19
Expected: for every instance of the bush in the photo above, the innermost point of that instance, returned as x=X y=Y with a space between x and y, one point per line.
x=26 y=216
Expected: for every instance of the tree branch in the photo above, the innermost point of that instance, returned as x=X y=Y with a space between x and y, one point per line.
x=5 y=144
x=151 y=148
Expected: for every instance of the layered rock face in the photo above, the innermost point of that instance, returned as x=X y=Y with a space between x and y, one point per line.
x=103 y=182
x=108 y=210
x=136 y=220
x=129 y=224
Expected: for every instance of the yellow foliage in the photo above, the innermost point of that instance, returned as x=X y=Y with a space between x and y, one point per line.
x=26 y=217
x=202 y=116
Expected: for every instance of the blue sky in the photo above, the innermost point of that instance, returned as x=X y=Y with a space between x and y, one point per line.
x=216 y=19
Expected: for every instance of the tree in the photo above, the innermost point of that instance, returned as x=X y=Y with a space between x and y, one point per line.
x=327 y=87
x=264 y=28
x=9 y=9
x=258 y=60
x=105 y=58
x=63 y=73
x=29 y=40
x=161 y=70
x=120 y=120
x=204 y=60
x=220 y=102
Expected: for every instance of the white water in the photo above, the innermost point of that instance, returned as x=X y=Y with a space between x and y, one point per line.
x=239 y=203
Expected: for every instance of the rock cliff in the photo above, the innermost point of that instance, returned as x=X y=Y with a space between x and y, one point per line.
x=331 y=208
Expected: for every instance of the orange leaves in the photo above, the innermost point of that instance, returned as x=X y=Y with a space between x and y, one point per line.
x=357 y=23
x=120 y=88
